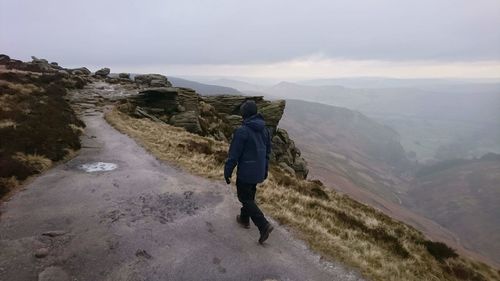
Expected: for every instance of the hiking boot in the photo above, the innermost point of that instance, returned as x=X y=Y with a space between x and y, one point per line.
x=265 y=233
x=243 y=224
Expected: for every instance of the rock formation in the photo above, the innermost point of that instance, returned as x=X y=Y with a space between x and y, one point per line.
x=103 y=72
x=215 y=116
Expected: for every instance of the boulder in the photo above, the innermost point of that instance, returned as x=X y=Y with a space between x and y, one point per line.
x=152 y=80
x=272 y=112
x=80 y=71
x=4 y=59
x=103 y=72
x=287 y=168
x=124 y=75
x=40 y=65
x=187 y=120
x=165 y=99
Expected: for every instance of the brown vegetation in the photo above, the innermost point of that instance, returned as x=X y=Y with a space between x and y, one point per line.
x=333 y=224
x=37 y=125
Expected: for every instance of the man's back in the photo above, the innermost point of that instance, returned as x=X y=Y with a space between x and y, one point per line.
x=249 y=150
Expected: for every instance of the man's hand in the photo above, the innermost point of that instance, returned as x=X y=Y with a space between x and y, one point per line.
x=228 y=180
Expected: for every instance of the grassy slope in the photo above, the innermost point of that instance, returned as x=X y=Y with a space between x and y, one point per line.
x=342 y=151
x=333 y=224
x=464 y=197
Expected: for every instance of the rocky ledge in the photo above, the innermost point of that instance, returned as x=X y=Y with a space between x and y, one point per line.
x=215 y=116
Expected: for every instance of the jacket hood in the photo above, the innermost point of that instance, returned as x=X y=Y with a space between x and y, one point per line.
x=255 y=122
x=248 y=108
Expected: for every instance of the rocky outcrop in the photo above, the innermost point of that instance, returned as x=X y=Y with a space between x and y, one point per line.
x=124 y=75
x=152 y=80
x=215 y=116
x=80 y=71
x=103 y=72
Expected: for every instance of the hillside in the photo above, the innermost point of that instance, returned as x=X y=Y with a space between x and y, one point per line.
x=203 y=89
x=342 y=150
x=463 y=196
x=344 y=146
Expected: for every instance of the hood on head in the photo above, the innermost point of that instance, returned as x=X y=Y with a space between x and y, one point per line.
x=255 y=122
x=248 y=108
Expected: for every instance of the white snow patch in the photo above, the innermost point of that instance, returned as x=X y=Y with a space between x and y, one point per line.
x=98 y=167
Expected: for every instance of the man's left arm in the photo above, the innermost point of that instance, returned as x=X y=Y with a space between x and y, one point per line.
x=235 y=150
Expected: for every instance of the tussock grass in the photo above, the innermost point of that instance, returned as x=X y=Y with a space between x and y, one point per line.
x=334 y=225
x=77 y=129
x=6 y=123
x=37 y=163
x=21 y=88
x=199 y=155
x=8 y=184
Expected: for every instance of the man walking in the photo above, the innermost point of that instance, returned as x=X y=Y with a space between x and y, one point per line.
x=250 y=149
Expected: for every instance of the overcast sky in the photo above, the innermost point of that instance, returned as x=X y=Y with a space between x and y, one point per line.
x=281 y=39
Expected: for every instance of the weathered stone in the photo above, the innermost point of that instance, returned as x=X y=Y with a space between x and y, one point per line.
x=273 y=112
x=158 y=83
x=41 y=253
x=112 y=80
x=124 y=75
x=103 y=72
x=287 y=168
x=187 y=120
x=234 y=120
x=80 y=71
x=152 y=80
x=4 y=59
x=54 y=233
x=300 y=167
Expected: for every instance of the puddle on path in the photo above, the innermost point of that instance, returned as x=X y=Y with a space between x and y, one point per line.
x=98 y=167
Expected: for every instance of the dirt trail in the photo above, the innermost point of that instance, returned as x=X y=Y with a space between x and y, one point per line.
x=140 y=220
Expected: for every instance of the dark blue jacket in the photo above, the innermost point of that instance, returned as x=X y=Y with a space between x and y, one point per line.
x=250 y=149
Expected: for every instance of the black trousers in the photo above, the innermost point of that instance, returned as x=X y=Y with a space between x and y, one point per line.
x=246 y=195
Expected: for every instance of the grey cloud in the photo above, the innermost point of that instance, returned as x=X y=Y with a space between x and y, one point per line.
x=233 y=32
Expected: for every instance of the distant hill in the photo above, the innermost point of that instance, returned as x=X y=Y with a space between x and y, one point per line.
x=430 y=122
x=385 y=82
x=203 y=89
x=240 y=85
x=342 y=145
x=463 y=196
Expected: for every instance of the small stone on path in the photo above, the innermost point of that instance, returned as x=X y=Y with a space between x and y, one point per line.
x=41 y=253
x=53 y=273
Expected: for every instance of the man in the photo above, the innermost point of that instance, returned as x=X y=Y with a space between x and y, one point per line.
x=250 y=149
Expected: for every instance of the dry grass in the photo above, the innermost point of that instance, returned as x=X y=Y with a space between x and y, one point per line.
x=334 y=225
x=37 y=163
x=198 y=155
x=77 y=129
x=8 y=184
x=22 y=88
x=6 y=123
